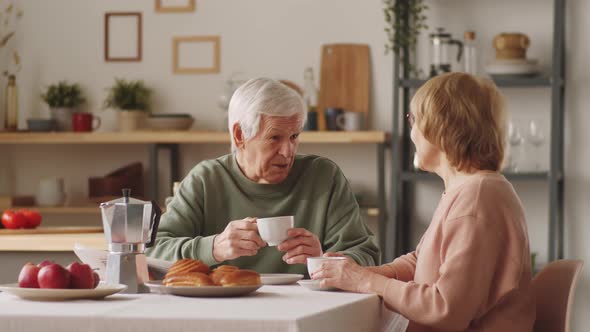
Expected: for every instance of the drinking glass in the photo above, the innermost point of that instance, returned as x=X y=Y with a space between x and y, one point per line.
x=536 y=138
x=515 y=140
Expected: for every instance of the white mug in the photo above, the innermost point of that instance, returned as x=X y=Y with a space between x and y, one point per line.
x=51 y=192
x=274 y=230
x=350 y=121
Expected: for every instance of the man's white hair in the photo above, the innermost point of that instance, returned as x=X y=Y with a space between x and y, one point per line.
x=262 y=96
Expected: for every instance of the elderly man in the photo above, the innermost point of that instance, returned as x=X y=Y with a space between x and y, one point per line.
x=213 y=214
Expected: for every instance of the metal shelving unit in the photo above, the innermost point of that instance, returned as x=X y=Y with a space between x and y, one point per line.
x=404 y=178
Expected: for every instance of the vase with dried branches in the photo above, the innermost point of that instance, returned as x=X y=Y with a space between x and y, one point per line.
x=9 y=17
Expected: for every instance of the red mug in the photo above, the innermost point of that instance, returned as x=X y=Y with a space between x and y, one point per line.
x=82 y=121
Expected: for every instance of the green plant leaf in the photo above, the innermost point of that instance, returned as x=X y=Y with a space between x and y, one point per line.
x=63 y=94
x=128 y=95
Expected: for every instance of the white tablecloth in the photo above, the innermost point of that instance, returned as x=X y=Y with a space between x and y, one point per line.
x=271 y=308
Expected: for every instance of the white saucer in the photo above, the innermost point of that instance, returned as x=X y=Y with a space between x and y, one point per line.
x=315 y=285
x=279 y=278
x=513 y=67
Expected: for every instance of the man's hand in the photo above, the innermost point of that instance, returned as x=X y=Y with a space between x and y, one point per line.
x=300 y=245
x=240 y=238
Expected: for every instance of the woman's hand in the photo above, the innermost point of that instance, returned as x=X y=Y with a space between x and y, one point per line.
x=344 y=274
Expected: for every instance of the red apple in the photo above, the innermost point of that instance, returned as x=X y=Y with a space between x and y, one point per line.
x=27 y=278
x=80 y=276
x=33 y=218
x=45 y=263
x=96 y=278
x=53 y=276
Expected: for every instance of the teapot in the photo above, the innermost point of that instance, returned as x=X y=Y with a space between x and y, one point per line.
x=441 y=42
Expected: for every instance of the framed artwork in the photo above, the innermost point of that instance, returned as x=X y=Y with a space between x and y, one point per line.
x=122 y=36
x=175 y=6
x=196 y=54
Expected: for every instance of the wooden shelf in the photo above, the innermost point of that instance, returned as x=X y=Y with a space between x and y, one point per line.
x=424 y=176
x=525 y=82
x=152 y=137
x=52 y=230
x=90 y=209
x=95 y=210
x=371 y=212
x=51 y=242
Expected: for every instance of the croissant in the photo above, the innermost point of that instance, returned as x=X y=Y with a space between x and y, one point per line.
x=240 y=278
x=189 y=279
x=219 y=272
x=187 y=265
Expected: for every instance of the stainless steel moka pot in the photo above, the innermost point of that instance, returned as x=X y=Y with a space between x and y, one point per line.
x=130 y=226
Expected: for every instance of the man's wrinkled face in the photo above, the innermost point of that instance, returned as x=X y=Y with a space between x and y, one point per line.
x=269 y=156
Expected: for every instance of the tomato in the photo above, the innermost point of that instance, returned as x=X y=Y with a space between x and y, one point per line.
x=13 y=219
x=33 y=218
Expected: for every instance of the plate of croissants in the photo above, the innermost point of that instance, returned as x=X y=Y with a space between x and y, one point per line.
x=191 y=277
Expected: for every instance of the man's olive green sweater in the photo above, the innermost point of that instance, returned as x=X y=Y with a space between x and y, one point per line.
x=216 y=192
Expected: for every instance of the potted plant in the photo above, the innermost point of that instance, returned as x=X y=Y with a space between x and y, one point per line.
x=63 y=99
x=403 y=30
x=131 y=98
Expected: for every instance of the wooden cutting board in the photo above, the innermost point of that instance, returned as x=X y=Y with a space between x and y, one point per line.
x=344 y=79
x=51 y=230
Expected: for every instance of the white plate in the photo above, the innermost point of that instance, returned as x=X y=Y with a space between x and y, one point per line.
x=315 y=285
x=518 y=67
x=202 y=291
x=48 y=294
x=279 y=278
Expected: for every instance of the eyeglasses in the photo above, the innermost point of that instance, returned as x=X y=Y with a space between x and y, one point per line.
x=411 y=119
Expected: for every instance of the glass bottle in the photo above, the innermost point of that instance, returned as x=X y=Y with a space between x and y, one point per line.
x=470 y=55
x=310 y=93
x=11 y=104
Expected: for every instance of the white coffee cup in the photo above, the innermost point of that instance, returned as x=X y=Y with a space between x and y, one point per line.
x=314 y=263
x=274 y=230
x=350 y=121
x=51 y=192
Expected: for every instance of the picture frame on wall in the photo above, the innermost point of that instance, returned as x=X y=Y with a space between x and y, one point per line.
x=196 y=54
x=122 y=36
x=176 y=6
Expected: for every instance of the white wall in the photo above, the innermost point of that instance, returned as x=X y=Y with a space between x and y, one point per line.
x=63 y=39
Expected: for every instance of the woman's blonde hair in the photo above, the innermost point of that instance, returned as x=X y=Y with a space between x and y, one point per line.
x=465 y=117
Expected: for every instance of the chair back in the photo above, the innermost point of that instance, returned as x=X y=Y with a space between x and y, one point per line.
x=554 y=288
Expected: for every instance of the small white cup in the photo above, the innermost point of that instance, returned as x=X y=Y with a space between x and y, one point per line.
x=313 y=263
x=51 y=192
x=350 y=121
x=274 y=230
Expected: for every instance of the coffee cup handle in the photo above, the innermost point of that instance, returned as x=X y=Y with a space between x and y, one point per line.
x=340 y=121
x=96 y=121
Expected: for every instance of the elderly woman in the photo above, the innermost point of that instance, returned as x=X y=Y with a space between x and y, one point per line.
x=471 y=270
x=212 y=216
